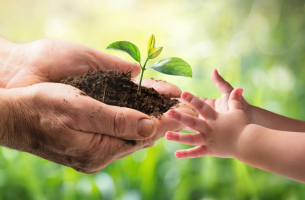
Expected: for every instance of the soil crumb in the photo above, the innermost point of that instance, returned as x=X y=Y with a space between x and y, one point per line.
x=132 y=142
x=116 y=88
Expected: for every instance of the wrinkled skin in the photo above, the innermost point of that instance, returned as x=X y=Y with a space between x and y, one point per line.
x=53 y=121
x=56 y=123
x=50 y=60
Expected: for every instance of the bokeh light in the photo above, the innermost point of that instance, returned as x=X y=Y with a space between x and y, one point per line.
x=257 y=45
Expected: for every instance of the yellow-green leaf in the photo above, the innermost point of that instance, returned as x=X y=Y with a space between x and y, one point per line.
x=151 y=43
x=127 y=47
x=154 y=53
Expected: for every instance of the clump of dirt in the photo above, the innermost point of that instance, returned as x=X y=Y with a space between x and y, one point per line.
x=131 y=142
x=116 y=88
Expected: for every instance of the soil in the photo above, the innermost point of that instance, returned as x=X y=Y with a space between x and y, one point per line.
x=116 y=88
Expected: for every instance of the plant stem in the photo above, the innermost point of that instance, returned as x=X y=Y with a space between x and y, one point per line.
x=142 y=72
x=139 y=87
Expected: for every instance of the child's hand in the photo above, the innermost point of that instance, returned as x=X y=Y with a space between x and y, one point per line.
x=218 y=133
x=221 y=104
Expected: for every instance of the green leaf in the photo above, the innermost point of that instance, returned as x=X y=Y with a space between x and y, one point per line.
x=151 y=43
x=127 y=47
x=154 y=53
x=173 y=66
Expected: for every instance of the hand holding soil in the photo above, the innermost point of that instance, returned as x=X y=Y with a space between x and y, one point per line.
x=55 y=122
x=50 y=60
x=58 y=122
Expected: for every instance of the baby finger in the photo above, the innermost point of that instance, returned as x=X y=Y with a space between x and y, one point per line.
x=186 y=138
x=199 y=125
x=195 y=152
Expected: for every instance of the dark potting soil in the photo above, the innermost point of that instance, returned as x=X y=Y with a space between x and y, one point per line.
x=116 y=88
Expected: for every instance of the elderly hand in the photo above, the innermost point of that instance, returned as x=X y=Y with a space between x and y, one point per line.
x=50 y=60
x=55 y=122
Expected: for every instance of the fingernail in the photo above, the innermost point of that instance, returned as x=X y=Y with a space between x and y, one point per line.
x=171 y=113
x=216 y=72
x=145 y=127
x=184 y=96
x=169 y=135
x=178 y=154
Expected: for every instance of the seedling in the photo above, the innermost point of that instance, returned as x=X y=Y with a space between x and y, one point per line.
x=171 y=66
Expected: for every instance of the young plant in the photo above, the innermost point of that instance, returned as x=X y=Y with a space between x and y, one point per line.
x=171 y=66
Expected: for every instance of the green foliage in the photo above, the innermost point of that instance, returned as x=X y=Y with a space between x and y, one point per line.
x=170 y=66
x=173 y=66
x=127 y=47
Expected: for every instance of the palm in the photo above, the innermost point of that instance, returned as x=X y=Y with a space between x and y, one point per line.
x=221 y=104
x=51 y=60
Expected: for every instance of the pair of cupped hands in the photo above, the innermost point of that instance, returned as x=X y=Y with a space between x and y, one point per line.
x=53 y=121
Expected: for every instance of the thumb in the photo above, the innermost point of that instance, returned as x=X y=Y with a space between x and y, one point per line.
x=108 y=62
x=120 y=122
x=222 y=86
x=127 y=123
x=235 y=99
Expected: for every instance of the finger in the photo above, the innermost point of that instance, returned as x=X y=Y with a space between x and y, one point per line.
x=222 y=86
x=117 y=148
x=162 y=87
x=185 y=104
x=204 y=109
x=186 y=138
x=210 y=102
x=190 y=121
x=203 y=99
x=188 y=128
x=106 y=61
x=235 y=99
x=168 y=124
x=163 y=125
x=93 y=116
x=195 y=152
x=112 y=149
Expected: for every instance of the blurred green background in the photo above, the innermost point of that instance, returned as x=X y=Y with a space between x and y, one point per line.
x=257 y=45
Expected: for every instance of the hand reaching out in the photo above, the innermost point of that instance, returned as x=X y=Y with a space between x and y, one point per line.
x=221 y=104
x=218 y=133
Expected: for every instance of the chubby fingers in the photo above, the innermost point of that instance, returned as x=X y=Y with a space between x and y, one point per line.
x=168 y=124
x=162 y=87
x=195 y=152
x=185 y=138
x=203 y=108
x=235 y=99
x=189 y=121
x=222 y=86
x=185 y=104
